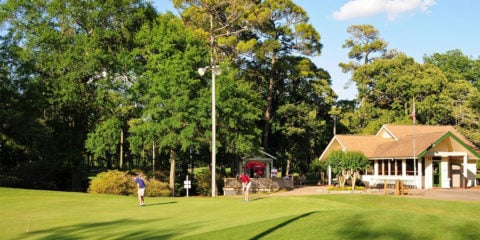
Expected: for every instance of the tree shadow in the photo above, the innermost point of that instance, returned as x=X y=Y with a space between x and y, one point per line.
x=92 y=229
x=255 y=199
x=279 y=226
x=160 y=203
x=355 y=227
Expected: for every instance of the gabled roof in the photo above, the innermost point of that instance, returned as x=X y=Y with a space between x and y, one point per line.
x=260 y=155
x=403 y=147
x=397 y=141
x=406 y=130
x=363 y=143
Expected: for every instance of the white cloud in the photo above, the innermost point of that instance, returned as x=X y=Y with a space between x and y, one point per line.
x=393 y=8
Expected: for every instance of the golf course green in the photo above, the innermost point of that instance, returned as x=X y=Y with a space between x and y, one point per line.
x=34 y=214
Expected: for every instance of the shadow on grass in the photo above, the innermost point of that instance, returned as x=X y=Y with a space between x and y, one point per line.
x=95 y=230
x=355 y=227
x=155 y=204
x=118 y=229
x=279 y=226
x=358 y=228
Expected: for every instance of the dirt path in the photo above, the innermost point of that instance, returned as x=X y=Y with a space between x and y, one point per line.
x=472 y=194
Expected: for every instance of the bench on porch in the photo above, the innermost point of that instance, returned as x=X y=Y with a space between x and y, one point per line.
x=399 y=187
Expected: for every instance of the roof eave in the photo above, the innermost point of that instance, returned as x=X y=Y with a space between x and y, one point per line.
x=329 y=145
x=454 y=137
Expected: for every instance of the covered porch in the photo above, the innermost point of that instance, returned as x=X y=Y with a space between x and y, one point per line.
x=387 y=171
x=419 y=156
x=435 y=170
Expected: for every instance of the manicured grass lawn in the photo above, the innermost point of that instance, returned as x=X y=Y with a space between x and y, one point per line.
x=29 y=214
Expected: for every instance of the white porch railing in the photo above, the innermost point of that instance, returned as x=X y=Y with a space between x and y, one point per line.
x=376 y=181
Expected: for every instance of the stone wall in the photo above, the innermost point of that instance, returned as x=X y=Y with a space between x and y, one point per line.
x=233 y=186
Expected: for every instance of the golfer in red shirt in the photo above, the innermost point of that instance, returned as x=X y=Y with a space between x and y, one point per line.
x=246 y=184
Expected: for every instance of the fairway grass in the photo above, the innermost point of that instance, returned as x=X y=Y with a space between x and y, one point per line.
x=33 y=214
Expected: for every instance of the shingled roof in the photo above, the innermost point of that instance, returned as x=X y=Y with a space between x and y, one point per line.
x=397 y=142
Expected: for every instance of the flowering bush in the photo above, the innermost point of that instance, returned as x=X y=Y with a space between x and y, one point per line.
x=344 y=188
x=112 y=182
x=155 y=188
x=121 y=183
x=204 y=182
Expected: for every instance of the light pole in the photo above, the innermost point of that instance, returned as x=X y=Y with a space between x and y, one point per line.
x=215 y=71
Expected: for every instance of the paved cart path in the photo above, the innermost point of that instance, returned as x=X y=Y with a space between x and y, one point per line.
x=470 y=194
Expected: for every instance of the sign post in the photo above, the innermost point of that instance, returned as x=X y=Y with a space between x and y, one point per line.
x=187 y=184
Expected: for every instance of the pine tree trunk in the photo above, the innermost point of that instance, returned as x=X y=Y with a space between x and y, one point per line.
x=269 y=110
x=172 y=171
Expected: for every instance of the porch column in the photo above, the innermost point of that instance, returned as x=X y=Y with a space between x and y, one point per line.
x=445 y=172
x=375 y=167
x=395 y=167
x=389 y=167
x=268 y=171
x=465 y=170
x=428 y=172
x=419 y=173
x=404 y=167
x=329 y=175
x=383 y=168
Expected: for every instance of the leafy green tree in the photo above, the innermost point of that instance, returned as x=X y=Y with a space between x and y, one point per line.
x=40 y=38
x=113 y=81
x=279 y=29
x=222 y=24
x=355 y=162
x=389 y=83
x=346 y=120
x=457 y=66
x=393 y=83
x=461 y=92
x=282 y=28
x=364 y=44
x=14 y=89
x=238 y=110
x=347 y=164
x=335 y=161
x=169 y=91
x=67 y=46
x=103 y=142
x=319 y=168
x=300 y=127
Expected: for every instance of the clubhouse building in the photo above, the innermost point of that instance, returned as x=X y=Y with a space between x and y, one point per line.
x=421 y=156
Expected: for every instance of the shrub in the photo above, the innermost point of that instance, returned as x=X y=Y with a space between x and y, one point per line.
x=9 y=181
x=112 y=182
x=204 y=180
x=344 y=188
x=45 y=175
x=155 y=188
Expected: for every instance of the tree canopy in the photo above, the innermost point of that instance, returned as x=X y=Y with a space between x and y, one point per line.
x=93 y=85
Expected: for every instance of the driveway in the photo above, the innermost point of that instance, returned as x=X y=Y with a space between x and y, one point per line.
x=471 y=194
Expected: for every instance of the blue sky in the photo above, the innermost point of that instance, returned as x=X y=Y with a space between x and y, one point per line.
x=413 y=27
